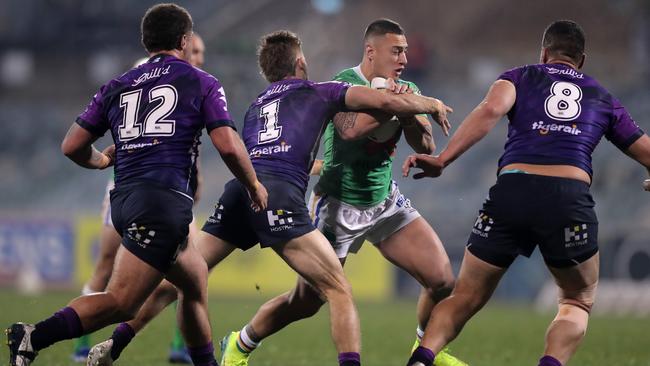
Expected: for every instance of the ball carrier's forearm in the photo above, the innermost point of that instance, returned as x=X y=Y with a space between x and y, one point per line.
x=418 y=134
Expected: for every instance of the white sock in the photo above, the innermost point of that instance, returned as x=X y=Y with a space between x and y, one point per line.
x=246 y=340
x=86 y=290
x=419 y=333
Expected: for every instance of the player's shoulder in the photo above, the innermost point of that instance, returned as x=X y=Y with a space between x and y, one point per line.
x=349 y=76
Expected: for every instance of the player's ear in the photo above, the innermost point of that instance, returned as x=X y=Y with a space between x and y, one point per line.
x=369 y=51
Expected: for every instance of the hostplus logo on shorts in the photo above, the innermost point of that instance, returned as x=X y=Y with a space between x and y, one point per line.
x=575 y=236
x=216 y=216
x=279 y=220
x=483 y=225
x=137 y=234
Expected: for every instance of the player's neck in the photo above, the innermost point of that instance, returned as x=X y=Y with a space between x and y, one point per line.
x=562 y=62
x=366 y=69
x=175 y=53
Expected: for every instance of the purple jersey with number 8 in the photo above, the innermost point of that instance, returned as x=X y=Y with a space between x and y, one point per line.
x=559 y=117
x=156 y=113
x=283 y=126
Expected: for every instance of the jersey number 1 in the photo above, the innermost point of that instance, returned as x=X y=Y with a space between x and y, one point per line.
x=270 y=131
x=154 y=123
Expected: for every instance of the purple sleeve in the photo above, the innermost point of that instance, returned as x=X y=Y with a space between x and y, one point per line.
x=622 y=131
x=215 y=107
x=512 y=75
x=334 y=93
x=93 y=117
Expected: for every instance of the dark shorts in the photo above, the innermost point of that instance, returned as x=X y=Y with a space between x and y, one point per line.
x=285 y=218
x=153 y=222
x=523 y=211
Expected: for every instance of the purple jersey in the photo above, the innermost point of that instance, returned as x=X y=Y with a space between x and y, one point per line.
x=283 y=126
x=560 y=115
x=156 y=113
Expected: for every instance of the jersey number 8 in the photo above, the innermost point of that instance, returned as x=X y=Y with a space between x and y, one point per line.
x=564 y=102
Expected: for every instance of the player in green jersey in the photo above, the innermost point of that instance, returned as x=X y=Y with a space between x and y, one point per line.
x=356 y=200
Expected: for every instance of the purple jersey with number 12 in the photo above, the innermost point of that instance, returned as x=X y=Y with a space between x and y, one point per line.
x=156 y=113
x=283 y=126
x=559 y=117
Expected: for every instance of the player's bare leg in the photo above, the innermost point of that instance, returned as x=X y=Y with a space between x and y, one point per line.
x=212 y=249
x=577 y=290
x=475 y=284
x=311 y=255
x=109 y=243
x=417 y=249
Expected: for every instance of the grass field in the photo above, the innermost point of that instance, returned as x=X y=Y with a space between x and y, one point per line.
x=499 y=335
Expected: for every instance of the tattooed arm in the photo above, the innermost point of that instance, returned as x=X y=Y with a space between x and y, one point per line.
x=78 y=146
x=355 y=125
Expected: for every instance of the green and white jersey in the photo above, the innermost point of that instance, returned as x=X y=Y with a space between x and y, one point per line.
x=359 y=172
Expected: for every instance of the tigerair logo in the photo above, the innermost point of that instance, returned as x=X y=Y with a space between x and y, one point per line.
x=575 y=235
x=544 y=129
x=268 y=150
x=483 y=225
x=279 y=220
x=140 y=235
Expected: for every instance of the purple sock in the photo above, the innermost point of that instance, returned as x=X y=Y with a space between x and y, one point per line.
x=203 y=355
x=423 y=355
x=64 y=324
x=549 y=361
x=122 y=336
x=349 y=359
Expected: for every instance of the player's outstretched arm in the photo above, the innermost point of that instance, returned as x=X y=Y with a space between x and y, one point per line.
x=78 y=146
x=361 y=97
x=498 y=101
x=496 y=104
x=234 y=154
x=640 y=151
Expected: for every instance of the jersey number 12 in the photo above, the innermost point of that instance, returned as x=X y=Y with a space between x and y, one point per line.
x=154 y=123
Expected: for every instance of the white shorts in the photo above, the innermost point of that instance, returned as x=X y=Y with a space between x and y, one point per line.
x=347 y=226
x=106 y=204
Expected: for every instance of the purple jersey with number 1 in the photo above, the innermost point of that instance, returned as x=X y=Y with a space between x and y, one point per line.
x=283 y=126
x=559 y=117
x=156 y=113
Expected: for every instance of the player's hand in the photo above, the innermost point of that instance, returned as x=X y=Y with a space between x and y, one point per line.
x=397 y=88
x=109 y=153
x=317 y=167
x=646 y=185
x=259 y=196
x=440 y=115
x=431 y=166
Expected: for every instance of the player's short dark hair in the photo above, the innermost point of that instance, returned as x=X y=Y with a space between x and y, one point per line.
x=565 y=38
x=382 y=26
x=276 y=54
x=163 y=27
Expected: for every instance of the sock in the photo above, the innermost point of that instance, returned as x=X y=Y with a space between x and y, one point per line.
x=203 y=355
x=419 y=333
x=245 y=342
x=64 y=324
x=549 y=361
x=122 y=336
x=83 y=342
x=349 y=359
x=423 y=355
x=177 y=341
